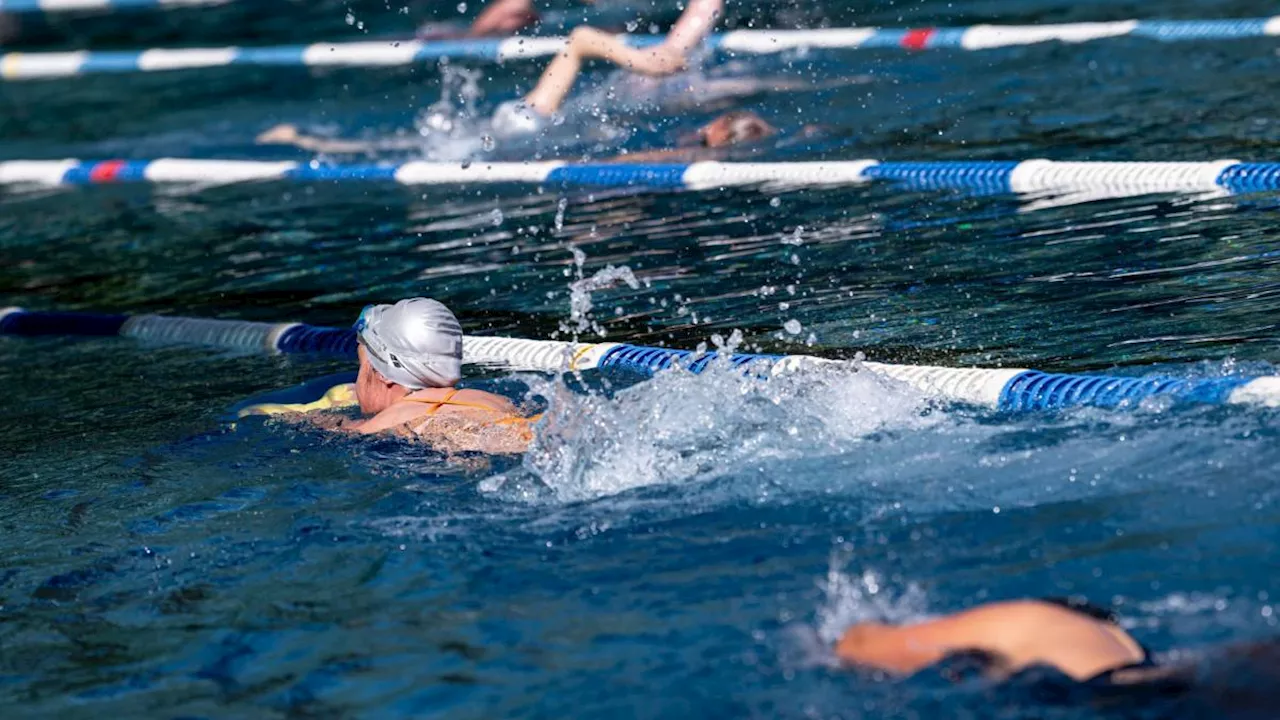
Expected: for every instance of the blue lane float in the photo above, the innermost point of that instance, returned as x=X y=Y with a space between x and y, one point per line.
x=1004 y=389
x=1109 y=179
x=18 y=66
x=60 y=6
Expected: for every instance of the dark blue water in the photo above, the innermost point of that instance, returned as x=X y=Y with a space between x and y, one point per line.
x=685 y=546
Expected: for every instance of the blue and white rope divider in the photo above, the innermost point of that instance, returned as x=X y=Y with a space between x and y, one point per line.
x=1007 y=389
x=55 y=6
x=15 y=66
x=1028 y=176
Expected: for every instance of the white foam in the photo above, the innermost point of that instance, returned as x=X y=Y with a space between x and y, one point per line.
x=680 y=427
x=1262 y=391
x=850 y=598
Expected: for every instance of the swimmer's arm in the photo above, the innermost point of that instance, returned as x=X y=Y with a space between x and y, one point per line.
x=289 y=135
x=1020 y=633
x=503 y=17
x=693 y=26
x=902 y=650
x=908 y=648
x=587 y=43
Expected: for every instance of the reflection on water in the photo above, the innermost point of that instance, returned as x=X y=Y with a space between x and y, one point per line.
x=686 y=546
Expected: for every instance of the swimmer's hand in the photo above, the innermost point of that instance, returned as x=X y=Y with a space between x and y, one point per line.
x=284 y=134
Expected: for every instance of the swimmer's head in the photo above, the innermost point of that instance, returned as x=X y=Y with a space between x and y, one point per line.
x=413 y=344
x=732 y=128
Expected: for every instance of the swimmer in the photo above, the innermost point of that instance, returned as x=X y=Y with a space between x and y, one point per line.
x=1079 y=640
x=1085 y=645
x=732 y=129
x=710 y=142
x=410 y=357
x=287 y=134
x=532 y=113
x=503 y=17
x=500 y=18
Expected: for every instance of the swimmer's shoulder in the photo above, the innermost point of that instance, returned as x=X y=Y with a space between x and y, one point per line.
x=464 y=400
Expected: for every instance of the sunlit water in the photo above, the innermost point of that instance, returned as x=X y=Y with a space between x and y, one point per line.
x=685 y=546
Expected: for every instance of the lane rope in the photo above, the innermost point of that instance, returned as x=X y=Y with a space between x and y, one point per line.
x=986 y=176
x=57 y=6
x=1004 y=389
x=26 y=66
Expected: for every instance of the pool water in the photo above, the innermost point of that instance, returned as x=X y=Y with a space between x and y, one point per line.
x=681 y=546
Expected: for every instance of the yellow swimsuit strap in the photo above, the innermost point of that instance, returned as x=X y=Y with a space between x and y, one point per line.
x=510 y=419
x=448 y=400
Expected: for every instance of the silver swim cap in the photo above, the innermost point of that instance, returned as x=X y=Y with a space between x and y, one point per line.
x=416 y=343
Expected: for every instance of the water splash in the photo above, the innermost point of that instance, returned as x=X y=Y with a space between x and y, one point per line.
x=581 y=319
x=449 y=127
x=680 y=427
x=850 y=598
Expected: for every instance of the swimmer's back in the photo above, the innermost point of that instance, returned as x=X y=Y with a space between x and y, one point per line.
x=468 y=402
x=470 y=420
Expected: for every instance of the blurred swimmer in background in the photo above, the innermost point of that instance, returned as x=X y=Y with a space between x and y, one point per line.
x=503 y=18
x=734 y=129
x=499 y=18
x=533 y=112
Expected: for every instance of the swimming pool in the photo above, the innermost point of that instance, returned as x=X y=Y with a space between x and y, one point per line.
x=682 y=546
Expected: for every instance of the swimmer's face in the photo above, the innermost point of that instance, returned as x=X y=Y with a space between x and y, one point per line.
x=733 y=128
x=371 y=388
